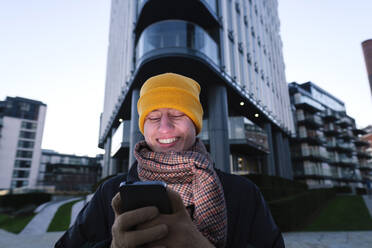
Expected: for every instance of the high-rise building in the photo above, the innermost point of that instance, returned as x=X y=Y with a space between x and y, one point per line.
x=327 y=149
x=21 y=132
x=68 y=172
x=232 y=48
x=367 y=51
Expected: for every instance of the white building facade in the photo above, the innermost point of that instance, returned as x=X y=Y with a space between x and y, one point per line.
x=21 y=131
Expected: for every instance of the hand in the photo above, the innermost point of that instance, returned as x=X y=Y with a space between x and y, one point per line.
x=181 y=231
x=123 y=235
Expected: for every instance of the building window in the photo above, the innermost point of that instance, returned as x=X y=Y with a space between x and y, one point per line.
x=245 y=20
x=24 y=106
x=231 y=35
x=249 y=58
x=19 y=183
x=237 y=7
x=177 y=34
x=28 y=125
x=22 y=164
x=24 y=154
x=26 y=144
x=21 y=173
x=27 y=135
x=252 y=32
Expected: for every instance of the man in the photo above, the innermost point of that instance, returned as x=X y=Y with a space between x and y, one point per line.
x=210 y=208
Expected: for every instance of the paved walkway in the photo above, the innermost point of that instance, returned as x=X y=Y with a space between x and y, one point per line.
x=292 y=240
x=360 y=239
x=45 y=240
x=40 y=223
x=368 y=202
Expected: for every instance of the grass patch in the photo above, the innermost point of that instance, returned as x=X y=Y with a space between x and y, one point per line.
x=14 y=224
x=62 y=218
x=342 y=213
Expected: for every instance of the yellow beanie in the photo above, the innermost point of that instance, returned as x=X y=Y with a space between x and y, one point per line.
x=170 y=90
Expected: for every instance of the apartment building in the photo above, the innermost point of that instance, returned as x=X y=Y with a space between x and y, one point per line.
x=327 y=149
x=21 y=131
x=68 y=172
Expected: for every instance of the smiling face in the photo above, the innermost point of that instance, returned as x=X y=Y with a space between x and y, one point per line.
x=167 y=129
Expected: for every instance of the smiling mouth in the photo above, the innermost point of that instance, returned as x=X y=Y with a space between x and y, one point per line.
x=167 y=141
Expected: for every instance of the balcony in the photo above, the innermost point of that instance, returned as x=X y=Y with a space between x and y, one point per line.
x=242 y=131
x=345 y=122
x=331 y=115
x=305 y=102
x=331 y=130
x=313 y=154
x=311 y=136
x=346 y=134
x=176 y=37
x=345 y=147
x=314 y=121
x=362 y=154
x=361 y=143
x=357 y=132
x=343 y=161
x=365 y=166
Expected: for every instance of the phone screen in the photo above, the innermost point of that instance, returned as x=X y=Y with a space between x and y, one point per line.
x=143 y=194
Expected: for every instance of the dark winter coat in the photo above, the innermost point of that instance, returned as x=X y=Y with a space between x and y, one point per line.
x=250 y=223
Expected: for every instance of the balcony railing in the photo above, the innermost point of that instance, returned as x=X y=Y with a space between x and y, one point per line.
x=330 y=114
x=310 y=118
x=345 y=121
x=175 y=35
x=332 y=129
x=304 y=100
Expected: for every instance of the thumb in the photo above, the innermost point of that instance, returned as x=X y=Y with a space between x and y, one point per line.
x=176 y=200
x=116 y=204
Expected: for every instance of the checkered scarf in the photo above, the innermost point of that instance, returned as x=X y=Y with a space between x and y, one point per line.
x=191 y=174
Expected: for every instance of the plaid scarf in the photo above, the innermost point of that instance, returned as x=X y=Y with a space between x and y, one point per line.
x=191 y=174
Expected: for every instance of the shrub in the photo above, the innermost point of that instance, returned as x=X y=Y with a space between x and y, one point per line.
x=294 y=211
x=342 y=189
x=274 y=188
x=18 y=201
x=361 y=191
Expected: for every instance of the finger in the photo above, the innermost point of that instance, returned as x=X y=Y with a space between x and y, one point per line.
x=137 y=238
x=128 y=220
x=116 y=204
x=176 y=200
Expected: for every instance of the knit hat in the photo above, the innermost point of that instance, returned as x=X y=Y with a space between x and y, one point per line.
x=170 y=90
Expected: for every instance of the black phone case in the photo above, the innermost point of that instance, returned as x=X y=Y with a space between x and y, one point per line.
x=135 y=196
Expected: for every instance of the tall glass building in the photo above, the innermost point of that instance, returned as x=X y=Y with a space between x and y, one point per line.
x=232 y=48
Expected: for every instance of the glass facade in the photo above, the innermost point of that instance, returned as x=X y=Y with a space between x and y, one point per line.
x=177 y=34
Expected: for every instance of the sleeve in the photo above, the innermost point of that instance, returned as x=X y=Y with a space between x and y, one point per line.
x=84 y=232
x=265 y=233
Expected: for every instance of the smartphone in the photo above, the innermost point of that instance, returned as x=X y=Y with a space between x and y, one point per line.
x=143 y=194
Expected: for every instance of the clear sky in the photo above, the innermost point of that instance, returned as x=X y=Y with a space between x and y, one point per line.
x=55 y=51
x=322 y=43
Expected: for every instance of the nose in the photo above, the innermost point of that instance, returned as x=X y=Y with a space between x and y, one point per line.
x=165 y=124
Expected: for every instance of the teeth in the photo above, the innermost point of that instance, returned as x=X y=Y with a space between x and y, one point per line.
x=167 y=141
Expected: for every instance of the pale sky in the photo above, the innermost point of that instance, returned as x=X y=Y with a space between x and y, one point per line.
x=55 y=51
